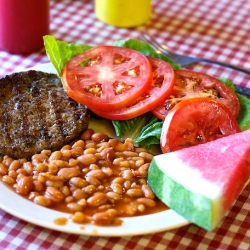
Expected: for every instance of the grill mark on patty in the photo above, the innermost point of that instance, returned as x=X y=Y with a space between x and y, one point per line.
x=37 y=114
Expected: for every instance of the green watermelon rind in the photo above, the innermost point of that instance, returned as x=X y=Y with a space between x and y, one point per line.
x=195 y=207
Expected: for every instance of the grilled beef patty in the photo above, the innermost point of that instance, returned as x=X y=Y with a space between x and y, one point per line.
x=36 y=114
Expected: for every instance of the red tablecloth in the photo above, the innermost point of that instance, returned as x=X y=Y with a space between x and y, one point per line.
x=212 y=29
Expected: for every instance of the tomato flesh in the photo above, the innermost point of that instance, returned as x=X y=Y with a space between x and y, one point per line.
x=190 y=84
x=161 y=88
x=195 y=121
x=107 y=77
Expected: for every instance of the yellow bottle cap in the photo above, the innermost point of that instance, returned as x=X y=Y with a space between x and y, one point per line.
x=123 y=13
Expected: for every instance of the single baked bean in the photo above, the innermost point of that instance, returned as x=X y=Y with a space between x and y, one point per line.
x=108 y=154
x=104 y=207
x=97 y=199
x=134 y=192
x=82 y=202
x=125 y=164
x=65 y=190
x=108 y=171
x=78 y=182
x=67 y=173
x=93 y=180
x=3 y=169
x=67 y=153
x=74 y=207
x=146 y=155
x=49 y=176
x=139 y=162
x=138 y=150
x=38 y=186
x=135 y=185
x=102 y=145
x=7 y=160
x=39 y=158
x=65 y=147
x=104 y=218
x=147 y=202
x=41 y=167
x=32 y=195
x=56 y=155
x=97 y=173
x=41 y=178
x=100 y=188
x=99 y=137
x=15 y=165
x=142 y=181
x=79 y=194
x=119 y=180
x=127 y=184
x=89 y=151
x=76 y=151
x=60 y=163
x=73 y=163
x=141 y=208
x=130 y=154
x=117 y=161
x=90 y=144
x=79 y=143
x=54 y=194
x=24 y=185
x=54 y=183
x=46 y=152
x=52 y=168
x=117 y=188
x=90 y=189
x=79 y=217
x=147 y=191
x=21 y=171
x=113 y=196
x=127 y=174
x=86 y=135
x=129 y=145
x=12 y=173
x=8 y=180
x=28 y=167
x=69 y=199
x=93 y=166
x=42 y=201
x=87 y=159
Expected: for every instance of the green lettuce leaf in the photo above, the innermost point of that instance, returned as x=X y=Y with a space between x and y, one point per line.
x=144 y=130
x=60 y=52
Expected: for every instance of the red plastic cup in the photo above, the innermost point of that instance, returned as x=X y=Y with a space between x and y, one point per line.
x=23 y=23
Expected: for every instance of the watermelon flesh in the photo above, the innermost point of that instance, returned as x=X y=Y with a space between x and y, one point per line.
x=202 y=182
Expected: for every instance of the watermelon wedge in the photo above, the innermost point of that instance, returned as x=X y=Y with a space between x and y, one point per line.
x=202 y=182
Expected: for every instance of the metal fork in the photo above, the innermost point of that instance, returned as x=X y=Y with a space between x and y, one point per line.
x=184 y=60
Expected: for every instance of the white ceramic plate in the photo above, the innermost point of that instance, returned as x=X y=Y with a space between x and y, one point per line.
x=32 y=213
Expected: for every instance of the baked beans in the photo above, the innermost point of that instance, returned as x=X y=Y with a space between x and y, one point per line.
x=96 y=179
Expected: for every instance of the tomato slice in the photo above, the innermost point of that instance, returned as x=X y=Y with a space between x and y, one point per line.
x=190 y=84
x=107 y=77
x=195 y=121
x=161 y=88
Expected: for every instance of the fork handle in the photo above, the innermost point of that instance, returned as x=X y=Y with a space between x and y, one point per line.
x=242 y=90
x=227 y=65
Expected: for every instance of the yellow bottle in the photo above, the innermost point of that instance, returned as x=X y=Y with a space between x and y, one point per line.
x=123 y=13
